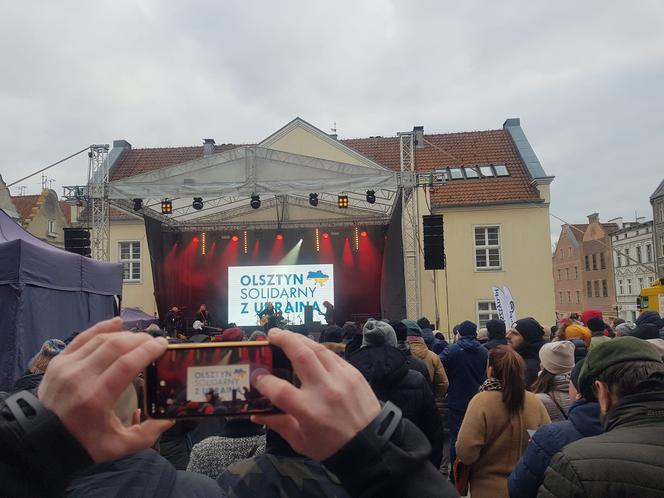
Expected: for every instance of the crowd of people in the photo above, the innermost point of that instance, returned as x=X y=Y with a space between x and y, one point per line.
x=383 y=408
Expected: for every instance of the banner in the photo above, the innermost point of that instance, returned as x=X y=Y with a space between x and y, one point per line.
x=288 y=287
x=219 y=380
x=505 y=307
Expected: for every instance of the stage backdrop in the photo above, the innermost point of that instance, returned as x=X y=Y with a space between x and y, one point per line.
x=186 y=276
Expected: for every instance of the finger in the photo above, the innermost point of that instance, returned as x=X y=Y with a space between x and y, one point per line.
x=139 y=437
x=117 y=376
x=282 y=394
x=300 y=352
x=106 y=326
x=107 y=349
x=286 y=425
x=327 y=358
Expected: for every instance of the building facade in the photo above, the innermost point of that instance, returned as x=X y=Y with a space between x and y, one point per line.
x=44 y=216
x=634 y=263
x=568 y=270
x=657 y=202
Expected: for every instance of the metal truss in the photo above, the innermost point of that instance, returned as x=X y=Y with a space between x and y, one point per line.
x=410 y=224
x=100 y=239
x=232 y=226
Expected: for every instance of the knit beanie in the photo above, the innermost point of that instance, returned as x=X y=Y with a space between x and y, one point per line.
x=530 y=330
x=557 y=357
x=483 y=334
x=400 y=330
x=413 y=329
x=232 y=335
x=588 y=314
x=610 y=353
x=48 y=351
x=645 y=331
x=625 y=328
x=467 y=329
x=333 y=333
x=377 y=333
x=596 y=324
x=575 y=331
x=496 y=329
x=650 y=317
x=576 y=371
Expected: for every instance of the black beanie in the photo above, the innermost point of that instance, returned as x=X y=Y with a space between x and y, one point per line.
x=596 y=324
x=496 y=329
x=400 y=330
x=530 y=330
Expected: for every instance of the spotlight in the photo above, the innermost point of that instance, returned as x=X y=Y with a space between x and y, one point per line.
x=280 y=236
x=255 y=201
x=197 y=204
x=195 y=240
x=342 y=201
x=363 y=233
x=313 y=199
x=138 y=204
x=166 y=206
x=235 y=238
x=326 y=235
x=371 y=196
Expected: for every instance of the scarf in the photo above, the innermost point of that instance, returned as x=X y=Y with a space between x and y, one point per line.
x=491 y=384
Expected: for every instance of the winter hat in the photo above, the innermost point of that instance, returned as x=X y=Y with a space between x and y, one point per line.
x=575 y=331
x=625 y=328
x=233 y=334
x=483 y=334
x=496 y=329
x=427 y=335
x=466 y=329
x=400 y=330
x=258 y=335
x=645 y=331
x=610 y=353
x=377 y=333
x=588 y=314
x=48 y=351
x=333 y=333
x=576 y=371
x=413 y=329
x=596 y=324
x=650 y=317
x=557 y=357
x=530 y=330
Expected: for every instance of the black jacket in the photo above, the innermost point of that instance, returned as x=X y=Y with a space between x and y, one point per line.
x=529 y=351
x=387 y=372
x=465 y=365
x=412 y=362
x=626 y=461
x=492 y=343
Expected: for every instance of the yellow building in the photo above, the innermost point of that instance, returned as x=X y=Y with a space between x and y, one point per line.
x=44 y=216
x=488 y=185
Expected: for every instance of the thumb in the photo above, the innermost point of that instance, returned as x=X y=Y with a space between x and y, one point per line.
x=139 y=437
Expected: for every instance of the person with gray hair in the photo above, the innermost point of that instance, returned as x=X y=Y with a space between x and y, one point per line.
x=386 y=370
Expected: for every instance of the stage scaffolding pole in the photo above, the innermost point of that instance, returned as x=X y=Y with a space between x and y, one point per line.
x=98 y=204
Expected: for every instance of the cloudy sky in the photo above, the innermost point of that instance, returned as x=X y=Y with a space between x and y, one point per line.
x=586 y=79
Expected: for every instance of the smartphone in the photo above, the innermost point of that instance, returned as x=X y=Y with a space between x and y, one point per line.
x=212 y=379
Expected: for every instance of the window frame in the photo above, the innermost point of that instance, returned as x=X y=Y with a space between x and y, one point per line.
x=492 y=313
x=131 y=260
x=487 y=268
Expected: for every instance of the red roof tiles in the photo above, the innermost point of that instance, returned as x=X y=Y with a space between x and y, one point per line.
x=24 y=205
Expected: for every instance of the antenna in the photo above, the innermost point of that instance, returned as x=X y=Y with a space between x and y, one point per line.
x=21 y=190
x=334 y=128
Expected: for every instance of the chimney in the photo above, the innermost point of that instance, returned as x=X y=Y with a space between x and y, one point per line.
x=418 y=137
x=593 y=218
x=208 y=147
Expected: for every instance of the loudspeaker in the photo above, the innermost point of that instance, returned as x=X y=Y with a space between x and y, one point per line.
x=434 y=242
x=77 y=240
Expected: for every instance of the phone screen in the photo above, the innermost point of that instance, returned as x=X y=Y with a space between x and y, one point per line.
x=212 y=379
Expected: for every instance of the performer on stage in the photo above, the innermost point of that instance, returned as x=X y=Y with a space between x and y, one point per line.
x=174 y=321
x=203 y=315
x=329 y=312
x=268 y=316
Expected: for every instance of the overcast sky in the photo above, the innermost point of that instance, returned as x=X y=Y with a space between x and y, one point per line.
x=586 y=79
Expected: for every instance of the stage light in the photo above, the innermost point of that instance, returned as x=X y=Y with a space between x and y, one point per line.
x=195 y=239
x=313 y=199
x=356 y=233
x=255 y=201
x=246 y=241
x=363 y=234
x=280 y=236
x=197 y=204
x=317 y=240
x=203 y=243
x=166 y=206
x=235 y=238
x=138 y=204
x=371 y=196
x=326 y=235
x=342 y=201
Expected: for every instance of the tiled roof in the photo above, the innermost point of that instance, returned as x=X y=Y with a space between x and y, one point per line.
x=65 y=207
x=659 y=192
x=440 y=151
x=136 y=161
x=24 y=205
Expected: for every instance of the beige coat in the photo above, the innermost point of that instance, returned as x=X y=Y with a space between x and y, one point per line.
x=437 y=375
x=491 y=466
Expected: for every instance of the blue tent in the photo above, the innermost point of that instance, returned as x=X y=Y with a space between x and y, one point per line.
x=46 y=293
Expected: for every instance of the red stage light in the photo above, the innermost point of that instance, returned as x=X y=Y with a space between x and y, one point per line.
x=195 y=240
x=280 y=236
x=235 y=238
x=326 y=235
x=363 y=233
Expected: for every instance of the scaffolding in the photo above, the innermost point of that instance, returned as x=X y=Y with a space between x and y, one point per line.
x=98 y=204
x=410 y=224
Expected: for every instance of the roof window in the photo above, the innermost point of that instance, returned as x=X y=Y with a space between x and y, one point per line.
x=501 y=170
x=486 y=171
x=471 y=172
x=456 y=174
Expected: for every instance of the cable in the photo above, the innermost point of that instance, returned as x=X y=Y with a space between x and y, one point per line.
x=48 y=167
x=443 y=151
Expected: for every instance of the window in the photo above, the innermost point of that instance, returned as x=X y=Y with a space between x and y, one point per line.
x=629 y=286
x=501 y=170
x=456 y=174
x=578 y=296
x=569 y=252
x=587 y=263
x=560 y=294
x=602 y=261
x=638 y=254
x=621 y=291
x=605 y=289
x=471 y=172
x=486 y=171
x=487 y=248
x=566 y=273
x=627 y=256
x=596 y=287
x=576 y=273
x=594 y=261
x=619 y=260
x=130 y=257
x=51 y=228
x=486 y=310
x=648 y=253
x=650 y=280
x=589 y=288
x=569 y=296
x=559 y=278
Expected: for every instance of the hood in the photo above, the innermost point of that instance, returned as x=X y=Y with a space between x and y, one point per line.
x=470 y=344
x=637 y=409
x=496 y=329
x=659 y=345
x=530 y=349
x=382 y=366
x=584 y=416
x=650 y=317
x=427 y=335
x=645 y=330
x=404 y=347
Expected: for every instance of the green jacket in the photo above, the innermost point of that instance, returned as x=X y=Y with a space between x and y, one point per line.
x=626 y=461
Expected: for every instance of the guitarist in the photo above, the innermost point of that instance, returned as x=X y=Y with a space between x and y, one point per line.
x=268 y=317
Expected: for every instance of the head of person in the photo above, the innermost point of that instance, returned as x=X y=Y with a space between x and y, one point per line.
x=232 y=334
x=270 y=305
x=525 y=332
x=553 y=330
x=175 y=309
x=203 y=307
x=650 y=317
x=412 y=328
x=466 y=329
x=439 y=335
x=258 y=335
x=351 y=330
x=616 y=322
x=588 y=314
x=573 y=331
x=618 y=368
x=508 y=367
x=574 y=391
x=496 y=329
x=424 y=323
x=596 y=325
x=623 y=329
x=333 y=333
x=400 y=330
x=483 y=335
x=327 y=304
x=645 y=331
x=49 y=350
x=377 y=333
x=556 y=358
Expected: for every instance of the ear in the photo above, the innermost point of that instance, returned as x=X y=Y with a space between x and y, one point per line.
x=136 y=417
x=603 y=394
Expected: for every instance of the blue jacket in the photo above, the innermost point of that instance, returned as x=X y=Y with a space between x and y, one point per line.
x=465 y=365
x=528 y=474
